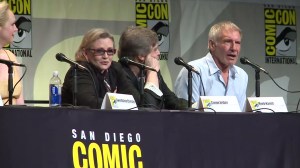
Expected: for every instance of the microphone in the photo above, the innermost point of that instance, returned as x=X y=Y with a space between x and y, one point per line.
x=126 y=60
x=10 y=63
x=244 y=60
x=61 y=57
x=179 y=61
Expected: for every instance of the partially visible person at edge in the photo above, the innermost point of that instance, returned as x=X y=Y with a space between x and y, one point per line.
x=220 y=75
x=95 y=53
x=141 y=45
x=7 y=30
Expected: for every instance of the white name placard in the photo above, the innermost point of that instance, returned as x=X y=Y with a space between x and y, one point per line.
x=118 y=101
x=219 y=104
x=266 y=104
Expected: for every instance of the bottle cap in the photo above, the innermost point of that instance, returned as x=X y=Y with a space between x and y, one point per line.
x=55 y=73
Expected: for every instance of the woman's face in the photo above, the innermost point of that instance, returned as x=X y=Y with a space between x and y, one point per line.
x=100 y=53
x=8 y=29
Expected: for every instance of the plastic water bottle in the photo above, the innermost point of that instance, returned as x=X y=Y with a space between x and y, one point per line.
x=55 y=90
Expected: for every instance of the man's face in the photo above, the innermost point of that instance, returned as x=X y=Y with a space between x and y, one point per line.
x=155 y=53
x=227 y=48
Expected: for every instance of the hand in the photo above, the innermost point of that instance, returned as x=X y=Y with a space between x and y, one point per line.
x=152 y=61
x=151 y=76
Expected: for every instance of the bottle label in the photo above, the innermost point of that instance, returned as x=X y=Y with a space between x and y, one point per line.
x=54 y=95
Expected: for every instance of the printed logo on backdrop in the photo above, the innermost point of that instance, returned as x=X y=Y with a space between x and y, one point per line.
x=106 y=149
x=21 y=45
x=154 y=14
x=280 y=34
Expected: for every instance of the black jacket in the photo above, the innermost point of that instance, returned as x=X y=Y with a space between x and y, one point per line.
x=168 y=101
x=88 y=90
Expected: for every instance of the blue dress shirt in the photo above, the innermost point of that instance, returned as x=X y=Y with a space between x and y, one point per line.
x=213 y=83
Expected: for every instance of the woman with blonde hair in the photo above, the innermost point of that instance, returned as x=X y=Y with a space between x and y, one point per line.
x=7 y=30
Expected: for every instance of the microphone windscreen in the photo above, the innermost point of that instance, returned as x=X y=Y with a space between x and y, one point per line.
x=243 y=60
x=178 y=60
x=124 y=60
x=60 y=56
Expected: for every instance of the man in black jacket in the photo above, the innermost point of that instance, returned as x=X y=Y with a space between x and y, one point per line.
x=141 y=45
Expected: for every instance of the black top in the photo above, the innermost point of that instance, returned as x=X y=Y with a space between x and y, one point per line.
x=87 y=89
x=168 y=101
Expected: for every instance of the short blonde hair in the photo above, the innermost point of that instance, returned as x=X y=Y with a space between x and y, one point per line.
x=3 y=12
x=216 y=30
x=89 y=38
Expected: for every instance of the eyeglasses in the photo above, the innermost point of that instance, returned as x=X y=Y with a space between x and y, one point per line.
x=101 y=52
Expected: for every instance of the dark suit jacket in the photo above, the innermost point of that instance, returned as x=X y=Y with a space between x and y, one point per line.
x=168 y=101
x=91 y=88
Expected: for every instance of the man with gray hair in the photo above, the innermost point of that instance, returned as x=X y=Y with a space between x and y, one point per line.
x=219 y=76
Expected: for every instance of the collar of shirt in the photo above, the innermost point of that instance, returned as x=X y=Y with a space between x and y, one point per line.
x=213 y=68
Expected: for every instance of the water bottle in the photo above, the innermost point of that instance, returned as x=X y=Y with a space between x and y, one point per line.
x=55 y=90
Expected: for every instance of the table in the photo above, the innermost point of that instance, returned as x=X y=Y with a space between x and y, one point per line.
x=42 y=137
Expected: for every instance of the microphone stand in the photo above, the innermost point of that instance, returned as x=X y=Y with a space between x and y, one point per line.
x=190 y=88
x=75 y=90
x=142 y=84
x=257 y=82
x=10 y=83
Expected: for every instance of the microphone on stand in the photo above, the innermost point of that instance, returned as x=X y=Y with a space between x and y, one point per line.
x=10 y=63
x=179 y=61
x=126 y=60
x=190 y=68
x=245 y=60
x=61 y=57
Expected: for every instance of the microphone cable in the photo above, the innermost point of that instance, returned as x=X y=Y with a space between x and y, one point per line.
x=95 y=88
x=280 y=86
x=163 y=96
x=258 y=110
x=201 y=82
x=208 y=108
x=297 y=106
x=18 y=82
x=144 y=106
x=285 y=90
x=94 y=83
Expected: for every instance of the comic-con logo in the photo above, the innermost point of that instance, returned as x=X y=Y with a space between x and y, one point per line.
x=280 y=34
x=155 y=16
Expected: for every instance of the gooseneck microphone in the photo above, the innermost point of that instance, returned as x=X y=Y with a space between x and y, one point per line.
x=10 y=63
x=10 y=87
x=61 y=57
x=179 y=61
x=245 y=60
x=126 y=60
x=190 y=68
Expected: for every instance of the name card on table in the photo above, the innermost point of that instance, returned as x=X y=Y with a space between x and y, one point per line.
x=118 y=101
x=219 y=104
x=266 y=104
